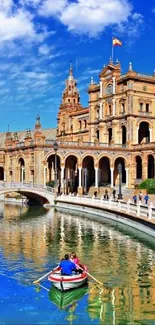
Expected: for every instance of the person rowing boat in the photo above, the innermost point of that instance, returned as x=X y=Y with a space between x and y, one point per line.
x=67 y=266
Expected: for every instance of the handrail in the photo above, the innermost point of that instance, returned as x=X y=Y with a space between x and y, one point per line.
x=13 y=185
x=137 y=210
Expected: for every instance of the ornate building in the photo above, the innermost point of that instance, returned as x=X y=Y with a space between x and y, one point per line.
x=116 y=127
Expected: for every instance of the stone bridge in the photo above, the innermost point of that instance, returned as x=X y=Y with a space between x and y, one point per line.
x=33 y=192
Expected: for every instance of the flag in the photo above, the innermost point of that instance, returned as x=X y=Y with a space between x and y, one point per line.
x=116 y=41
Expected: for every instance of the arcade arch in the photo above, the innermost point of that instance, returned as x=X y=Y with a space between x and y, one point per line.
x=71 y=174
x=150 y=171
x=88 y=173
x=104 y=172
x=138 y=167
x=51 y=167
x=119 y=160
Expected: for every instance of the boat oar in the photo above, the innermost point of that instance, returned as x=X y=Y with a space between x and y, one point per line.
x=44 y=276
x=91 y=276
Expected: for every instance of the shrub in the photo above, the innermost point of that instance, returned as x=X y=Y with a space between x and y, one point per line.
x=51 y=183
x=149 y=185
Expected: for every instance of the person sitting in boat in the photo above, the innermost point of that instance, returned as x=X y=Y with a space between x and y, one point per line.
x=67 y=266
x=74 y=258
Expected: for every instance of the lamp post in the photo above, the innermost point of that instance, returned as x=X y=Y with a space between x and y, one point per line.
x=120 y=196
x=55 y=147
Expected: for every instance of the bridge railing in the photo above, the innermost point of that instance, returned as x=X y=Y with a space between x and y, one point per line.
x=137 y=210
x=13 y=185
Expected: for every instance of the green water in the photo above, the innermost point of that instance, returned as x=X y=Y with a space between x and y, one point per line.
x=32 y=241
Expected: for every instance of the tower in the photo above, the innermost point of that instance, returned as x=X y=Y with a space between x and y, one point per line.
x=69 y=105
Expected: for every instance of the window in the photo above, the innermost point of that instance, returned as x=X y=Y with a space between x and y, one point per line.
x=123 y=108
x=10 y=160
x=68 y=100
x=85 y=123
x=141 y=107
x=80 y=124
x=147 y=107
x=110 y=110
x=109 y=89
x=32 y=157
x=74 y=100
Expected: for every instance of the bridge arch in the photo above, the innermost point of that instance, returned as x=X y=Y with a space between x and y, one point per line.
x=34 y=193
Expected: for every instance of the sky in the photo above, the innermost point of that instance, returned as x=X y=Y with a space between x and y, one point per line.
x=40 y=38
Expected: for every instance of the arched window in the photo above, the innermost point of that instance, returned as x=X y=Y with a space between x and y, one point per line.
x=109 y=89
x=85 y=124
x=80 y=124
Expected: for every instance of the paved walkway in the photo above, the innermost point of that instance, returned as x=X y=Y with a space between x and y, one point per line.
x=126 y=197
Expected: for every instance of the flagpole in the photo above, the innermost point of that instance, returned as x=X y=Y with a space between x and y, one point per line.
x=112 y=52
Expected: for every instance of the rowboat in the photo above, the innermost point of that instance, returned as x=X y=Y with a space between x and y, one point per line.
x=68 y=282
x=67 y=298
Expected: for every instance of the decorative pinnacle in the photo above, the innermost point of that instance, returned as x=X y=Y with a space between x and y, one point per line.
x=92 y=81
x=38 y=119
x=130 y=66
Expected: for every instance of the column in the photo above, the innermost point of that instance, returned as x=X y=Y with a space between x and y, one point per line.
x=112 y=176
x=62 y=176
x=22 y=174
x=144 y=170
x=114 y=85
x=80 y=170
x=101 y=89
x=127 y=177
x=137 y=135
x=96 y=177
x=44 y=176
x=100 y=113
x=5 y=176
x=114 y=106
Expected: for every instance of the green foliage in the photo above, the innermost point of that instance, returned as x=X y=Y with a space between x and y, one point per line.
x=51 y=183
x=149 y=185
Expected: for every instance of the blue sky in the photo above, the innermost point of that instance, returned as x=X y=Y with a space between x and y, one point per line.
x=39 y=39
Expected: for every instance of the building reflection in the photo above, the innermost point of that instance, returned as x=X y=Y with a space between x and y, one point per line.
x=124 y=266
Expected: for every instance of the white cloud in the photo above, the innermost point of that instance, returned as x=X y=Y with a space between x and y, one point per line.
x=6 y=5
x=16 y=22
x=36 y=75
x=32 y=3
x=43 y=50
x=135 y=25
x=51 y=7
x=16 y=26
x=88 y=17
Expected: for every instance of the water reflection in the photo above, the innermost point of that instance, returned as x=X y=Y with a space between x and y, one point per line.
x=68 y=299
x=35 y=240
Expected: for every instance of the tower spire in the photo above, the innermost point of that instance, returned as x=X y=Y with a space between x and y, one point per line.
x=70 y=77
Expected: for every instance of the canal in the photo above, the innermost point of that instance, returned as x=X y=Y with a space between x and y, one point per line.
x=33 y=240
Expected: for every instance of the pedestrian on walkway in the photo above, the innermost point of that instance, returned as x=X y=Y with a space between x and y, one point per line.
x=114 y=194
x=135 y=199
x=140 y=196
x=146 y=198
x=106 y=196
